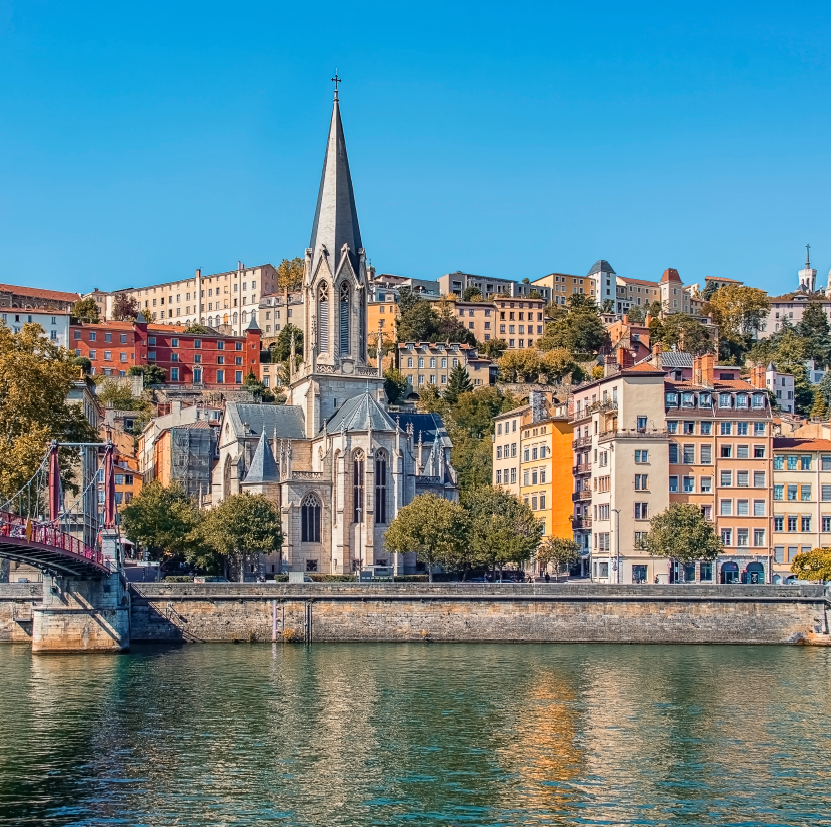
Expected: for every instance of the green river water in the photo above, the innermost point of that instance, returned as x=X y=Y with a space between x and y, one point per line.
x=417 y=735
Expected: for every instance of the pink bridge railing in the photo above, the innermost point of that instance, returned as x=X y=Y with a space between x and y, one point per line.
x=13 y=525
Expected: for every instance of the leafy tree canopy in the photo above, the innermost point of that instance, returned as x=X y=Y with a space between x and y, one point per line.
x=434 y=528
x=110 y=391
x=35 y=377
x=125 y=307
x=86 y=310
x=395 y=385
x=581 y=330
x=816 y=332
x=682 y=332
x=493 y=348
x=243 y=525
x=197 y=328
x=520 y=365
x=559 y=552
x=163 y=520
x=472 y=294
x=503 y=528
x=681 y=533
x=813 y=565
x=282 y=350
x=738 y=310
x=290 y=274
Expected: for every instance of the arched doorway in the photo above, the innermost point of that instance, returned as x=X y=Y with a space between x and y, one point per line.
x=729 y=573
x=754 y=573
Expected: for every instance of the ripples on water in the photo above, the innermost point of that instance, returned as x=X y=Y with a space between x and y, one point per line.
x=417 y=735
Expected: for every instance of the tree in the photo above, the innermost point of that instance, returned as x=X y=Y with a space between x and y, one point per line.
x=458 y=382
x=282 y=350
x=710 y=288
x=290 y=275
x=681 y=533
x=434 y=528
x=820 y=409
x=579 y=331
x=124 y=307
x=164 y=521
x=520 y=365
x=472 y=294
x=608 y=306
x=825 y=387
x=407 y=299
x=493 y=348
x=813 y=565
x=153 y=374
x=257 y=388
x=450 y=327
x=635 y=313
x=243 y=525
x=738 y=310
x=109 y=391
x=430 y=399
x=535 y=294
x=558 y=363
x=418 y=323
x=197 y=328
x=35 y=377
x=816 y=332
x=86 y=310
x=83 y=363
x=395 y=385
x=561 y=551
x=503 y=528
x=682 y=332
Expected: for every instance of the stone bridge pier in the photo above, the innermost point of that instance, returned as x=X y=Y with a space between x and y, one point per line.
x=84 y=615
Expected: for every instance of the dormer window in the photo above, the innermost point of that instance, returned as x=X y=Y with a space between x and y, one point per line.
x=758 y=400
x=705 y=400
x=672 y=399
x=724 y=400
x=742 y=400
x=688 y=400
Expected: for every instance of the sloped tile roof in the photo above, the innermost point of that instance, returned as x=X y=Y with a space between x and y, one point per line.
x=803 y=444
x=37 y=293
x=263 y=467
x=249 y=420
x=361 y=413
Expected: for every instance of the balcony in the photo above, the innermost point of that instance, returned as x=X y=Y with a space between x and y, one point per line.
x=581 y=495
x=582 y=468
x=604 y=406
x=632 y=433
x=582 y=522
x=582 y=442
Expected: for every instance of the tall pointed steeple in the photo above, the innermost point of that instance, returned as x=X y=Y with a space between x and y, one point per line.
x=336 y=217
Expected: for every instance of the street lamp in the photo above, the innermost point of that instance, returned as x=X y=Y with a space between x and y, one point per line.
x=617 y=543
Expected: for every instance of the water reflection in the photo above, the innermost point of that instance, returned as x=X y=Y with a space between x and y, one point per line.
x=427 y=735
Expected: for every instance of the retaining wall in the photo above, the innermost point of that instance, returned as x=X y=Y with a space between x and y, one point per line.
x=343 y=612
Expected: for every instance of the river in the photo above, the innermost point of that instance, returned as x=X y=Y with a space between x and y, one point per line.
x=417 y=735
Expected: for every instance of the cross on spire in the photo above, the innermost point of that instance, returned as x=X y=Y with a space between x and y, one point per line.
x=807 y=256
x=336 y=80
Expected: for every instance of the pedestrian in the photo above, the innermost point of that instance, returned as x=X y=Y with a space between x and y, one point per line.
x=547 y=578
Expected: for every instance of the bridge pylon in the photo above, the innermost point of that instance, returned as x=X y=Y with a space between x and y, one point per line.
x=85 y=614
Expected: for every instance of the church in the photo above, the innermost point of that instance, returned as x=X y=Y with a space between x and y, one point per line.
x=335 y=460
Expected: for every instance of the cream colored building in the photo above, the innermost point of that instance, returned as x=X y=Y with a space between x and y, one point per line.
x=430 y=363
x=621 y=456
x=801 y=500
x=564 y=285
x=507 y=438
x=230 y=298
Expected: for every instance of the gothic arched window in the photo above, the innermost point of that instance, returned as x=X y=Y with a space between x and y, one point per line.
x=323 y=318
x=381 y=487
x=310 y=519
x=358 y=487
x=244 y=316
x=235 y=318
x=343 y=318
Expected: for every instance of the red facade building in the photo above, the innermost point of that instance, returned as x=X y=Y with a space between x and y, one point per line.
x=205 y=359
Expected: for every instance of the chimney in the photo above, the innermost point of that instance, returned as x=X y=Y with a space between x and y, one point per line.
x=176 y=406
x=239 y=265
x=648 y=320
x=537 y=402
x=609 y=365
x=697 y=373
x=626 y=319
x=198 y=272
x=657 y=358
x=624 y=358
x=708 y=362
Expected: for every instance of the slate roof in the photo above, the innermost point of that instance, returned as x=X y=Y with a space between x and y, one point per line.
x=263 y=467
x=336 y=216
x=430 y=425
x=361 y=413
x=601 y=266
x=249 y=420
x=676 y=359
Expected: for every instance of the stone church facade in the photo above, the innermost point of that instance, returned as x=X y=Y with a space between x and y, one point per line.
x=336 y=461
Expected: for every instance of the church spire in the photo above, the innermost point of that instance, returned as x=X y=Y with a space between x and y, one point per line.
x=336 y=217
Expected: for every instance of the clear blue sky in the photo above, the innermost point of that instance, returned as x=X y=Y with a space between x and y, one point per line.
x=140 y=141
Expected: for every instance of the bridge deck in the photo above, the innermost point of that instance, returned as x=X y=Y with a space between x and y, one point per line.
x=45 y=547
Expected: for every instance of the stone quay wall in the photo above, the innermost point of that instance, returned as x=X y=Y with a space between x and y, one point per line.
x=345 y=612
x=356 y=612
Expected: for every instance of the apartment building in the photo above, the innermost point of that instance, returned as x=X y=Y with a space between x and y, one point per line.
x=520 y=323
x=635 y=293
x=507 y=437
x=230 y=298
x=55 y=323
x=458 y=282
x=383 y=315
x=780 y=384
x=209 y=360
x=275 y=314
x=563 y=285
x=801 y=500
x=605 y=281
x=430 y=363
x=720 y=459
x=620 y=470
